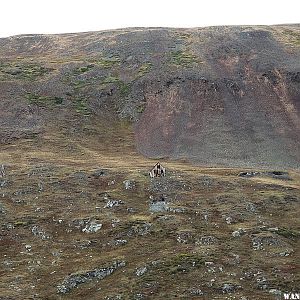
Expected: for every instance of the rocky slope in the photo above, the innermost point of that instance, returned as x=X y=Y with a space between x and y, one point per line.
x=80 y=113
x=74 y=230
x=215 y=96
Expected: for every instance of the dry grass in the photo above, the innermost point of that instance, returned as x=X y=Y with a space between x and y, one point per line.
x=55 y=189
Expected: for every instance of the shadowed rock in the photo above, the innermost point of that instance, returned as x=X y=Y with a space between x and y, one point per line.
x=73 y=280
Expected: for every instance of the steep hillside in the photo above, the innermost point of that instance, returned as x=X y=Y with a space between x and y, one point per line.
x=215 y=96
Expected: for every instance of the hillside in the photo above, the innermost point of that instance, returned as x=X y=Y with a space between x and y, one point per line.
x=218 y=96
x=84 y=117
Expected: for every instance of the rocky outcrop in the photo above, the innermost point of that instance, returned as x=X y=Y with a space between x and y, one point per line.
x=73 y=280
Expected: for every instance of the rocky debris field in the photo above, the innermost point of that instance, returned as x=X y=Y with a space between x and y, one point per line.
x=76 y=232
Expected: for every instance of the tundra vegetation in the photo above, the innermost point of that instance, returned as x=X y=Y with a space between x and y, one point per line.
x=84 y=118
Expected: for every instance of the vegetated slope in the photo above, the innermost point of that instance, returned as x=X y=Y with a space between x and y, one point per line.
x=215 y=96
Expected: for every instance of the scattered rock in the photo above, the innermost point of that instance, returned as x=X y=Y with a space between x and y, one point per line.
x=259 y=241
x=228 y=288
x=207 y=240
x=80 y=176
x=276 y=292
x=2 y=209
x=141 y=271
x=185 y=237
x=38 y=231
x=92 y=227
x=195 y=292
x=2 y=171
x=278 y=175
x=113 y=203
x=117 y=242
x=140 y=229
x=158 y=206
x=129 y=184
x=212 y=267
x=249 y=174
x=100 y=172
x=138 y=296
x=73 y=280
x=250 y=207
x=262 y=282
x=83 y=244
x=3 y=183
x=177 y=209
x=239 y=232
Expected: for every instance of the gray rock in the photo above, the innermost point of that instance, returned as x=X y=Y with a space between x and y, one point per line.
x=276 y=292
x=196 y=292
x=228 y=288
x=185 y=237
x=40 y=232
x=251 y=207
x=262 y=282
x=113 y=203
x=92 y=227
x=73 y=280
x=100 y=173
x=2 y=171
x=2 y=209
x=177 y=209
x=129 y=184
x=249 y=174
x=140 y=229
x=239 y=232
x=141 y=271
x=259 y=241
x=80 y=175
x=207 y=240
x=278 y=175
x=3 y=183
x=118 y=242
x=158 y=206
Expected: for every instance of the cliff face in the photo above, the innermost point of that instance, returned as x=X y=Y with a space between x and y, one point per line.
x=215 y=96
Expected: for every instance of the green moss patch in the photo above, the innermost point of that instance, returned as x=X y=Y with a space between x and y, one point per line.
x=82 y=70
x=144 y=69
x=183 y=58
x=124 y=89
x=42 y=100
x=108 y=63
x=289 y=233
x=110 y=79
x=27 y=71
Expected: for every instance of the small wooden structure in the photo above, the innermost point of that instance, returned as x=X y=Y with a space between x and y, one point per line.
x=157 y=171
